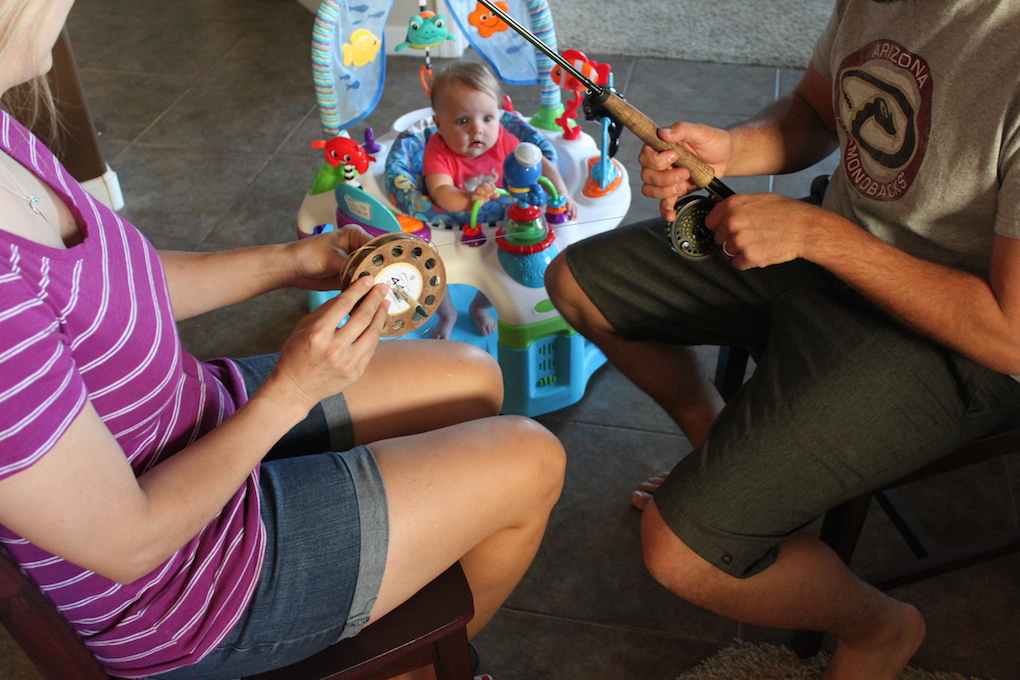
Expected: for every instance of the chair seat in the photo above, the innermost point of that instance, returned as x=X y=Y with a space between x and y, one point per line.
x=429 y=628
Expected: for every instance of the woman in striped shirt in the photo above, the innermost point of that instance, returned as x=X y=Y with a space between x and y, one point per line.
x=216 y=519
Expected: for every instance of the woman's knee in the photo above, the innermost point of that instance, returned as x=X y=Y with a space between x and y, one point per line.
x=478 y=373
x=460 y=373
x=536 y=454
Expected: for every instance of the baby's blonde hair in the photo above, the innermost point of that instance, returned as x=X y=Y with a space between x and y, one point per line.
x=475 y=76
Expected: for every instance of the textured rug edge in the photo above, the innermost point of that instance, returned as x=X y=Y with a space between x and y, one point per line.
x=747 y=661
x=778 y=33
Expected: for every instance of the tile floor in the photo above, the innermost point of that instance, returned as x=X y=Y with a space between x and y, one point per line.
x=206 y=111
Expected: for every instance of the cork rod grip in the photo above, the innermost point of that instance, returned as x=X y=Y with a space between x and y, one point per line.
x=643 y=126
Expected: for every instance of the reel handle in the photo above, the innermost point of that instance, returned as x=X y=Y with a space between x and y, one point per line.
x=646 y=130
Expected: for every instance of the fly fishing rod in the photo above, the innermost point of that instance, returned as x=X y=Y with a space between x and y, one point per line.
x=687 y=234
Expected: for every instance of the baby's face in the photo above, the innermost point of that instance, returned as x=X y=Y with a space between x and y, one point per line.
x=467 y=119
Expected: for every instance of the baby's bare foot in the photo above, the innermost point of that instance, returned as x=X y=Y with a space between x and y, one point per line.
x=444 y=327
x=483 y=320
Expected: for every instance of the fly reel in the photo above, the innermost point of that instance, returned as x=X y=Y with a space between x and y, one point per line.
x=413 y=271
x=688 y=234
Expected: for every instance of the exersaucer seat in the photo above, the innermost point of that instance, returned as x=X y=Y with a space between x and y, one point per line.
x=405 y=183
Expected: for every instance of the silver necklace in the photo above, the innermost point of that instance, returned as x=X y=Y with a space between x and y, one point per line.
x=33 y=201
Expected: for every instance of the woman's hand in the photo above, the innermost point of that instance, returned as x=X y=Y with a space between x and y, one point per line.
x=317 y=262
x=667 y=182
x=322 y=358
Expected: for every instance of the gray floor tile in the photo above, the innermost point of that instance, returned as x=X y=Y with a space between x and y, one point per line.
x=522 y=646
x=124 y=105
x=181 y=193
x=265 y=211
x=592 y=547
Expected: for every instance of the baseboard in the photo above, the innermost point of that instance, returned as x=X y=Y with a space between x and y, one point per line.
x=106 y=189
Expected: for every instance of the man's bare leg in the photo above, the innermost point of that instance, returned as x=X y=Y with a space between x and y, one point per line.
x=807 y=588
x=669 y=374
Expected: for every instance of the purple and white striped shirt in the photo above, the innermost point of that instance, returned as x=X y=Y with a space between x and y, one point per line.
x=94 y=322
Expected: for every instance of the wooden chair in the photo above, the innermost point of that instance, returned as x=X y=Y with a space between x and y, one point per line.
x=842 y=525
x=427 y=629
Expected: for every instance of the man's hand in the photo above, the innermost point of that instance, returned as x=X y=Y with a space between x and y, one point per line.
x=759 y=230
x=666 y=182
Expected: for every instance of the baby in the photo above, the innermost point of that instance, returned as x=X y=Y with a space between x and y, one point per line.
x=463 y=161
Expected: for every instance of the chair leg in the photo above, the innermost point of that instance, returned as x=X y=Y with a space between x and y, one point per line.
x=453 y=661
x=730 y=369
x=842 y=526
x=945 y=562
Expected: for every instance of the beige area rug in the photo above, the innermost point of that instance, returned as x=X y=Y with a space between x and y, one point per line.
x=766 y=32
x=745 y=661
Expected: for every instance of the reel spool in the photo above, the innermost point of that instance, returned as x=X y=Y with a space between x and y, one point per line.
x=688 y=234
x=412 y=269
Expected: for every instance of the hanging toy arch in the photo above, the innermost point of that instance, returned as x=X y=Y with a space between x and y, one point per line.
x=546 y=365
x=425 y=30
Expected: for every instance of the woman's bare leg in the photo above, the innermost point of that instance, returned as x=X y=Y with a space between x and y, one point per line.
x=461 y=483
x=414 y=386
x=480 y=493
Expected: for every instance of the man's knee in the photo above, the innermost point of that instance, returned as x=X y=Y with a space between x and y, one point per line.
x=559 y=281
x=571 y=301
x=674 y=565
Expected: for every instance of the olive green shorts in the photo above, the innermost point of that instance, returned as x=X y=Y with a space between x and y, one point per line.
x=843 y=400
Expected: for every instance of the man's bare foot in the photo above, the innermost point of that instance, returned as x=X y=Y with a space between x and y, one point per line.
x=885 y=652
x=639 y=499
x=480 y=314
x=444 y=327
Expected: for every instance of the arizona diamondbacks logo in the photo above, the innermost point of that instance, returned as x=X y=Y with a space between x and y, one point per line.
x=882 y=100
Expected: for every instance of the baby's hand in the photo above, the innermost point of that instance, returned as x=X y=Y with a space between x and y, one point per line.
x=484 y=192
x=571 y=208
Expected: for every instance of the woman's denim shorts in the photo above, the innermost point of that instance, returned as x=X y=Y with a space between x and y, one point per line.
x=327 y=531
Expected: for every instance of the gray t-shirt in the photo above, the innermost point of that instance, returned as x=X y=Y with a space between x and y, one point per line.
x=926 y=101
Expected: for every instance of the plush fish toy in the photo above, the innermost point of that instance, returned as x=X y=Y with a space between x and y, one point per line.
x=362 y=48
x=425 y=31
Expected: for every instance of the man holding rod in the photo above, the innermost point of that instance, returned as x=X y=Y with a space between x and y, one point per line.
x=889 y=316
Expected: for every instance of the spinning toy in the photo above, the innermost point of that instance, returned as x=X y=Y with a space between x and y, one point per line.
x=411 y=268
x=501 y=248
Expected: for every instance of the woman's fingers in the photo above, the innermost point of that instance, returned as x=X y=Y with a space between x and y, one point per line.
x=333 y=311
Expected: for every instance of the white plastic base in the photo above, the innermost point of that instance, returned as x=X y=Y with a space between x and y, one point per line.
x=107 y=189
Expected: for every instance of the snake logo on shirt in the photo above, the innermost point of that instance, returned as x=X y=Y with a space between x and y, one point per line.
x=882 y=101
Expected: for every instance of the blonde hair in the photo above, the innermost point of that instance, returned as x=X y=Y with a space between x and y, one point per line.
x=31 y=102
x=475 y=76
